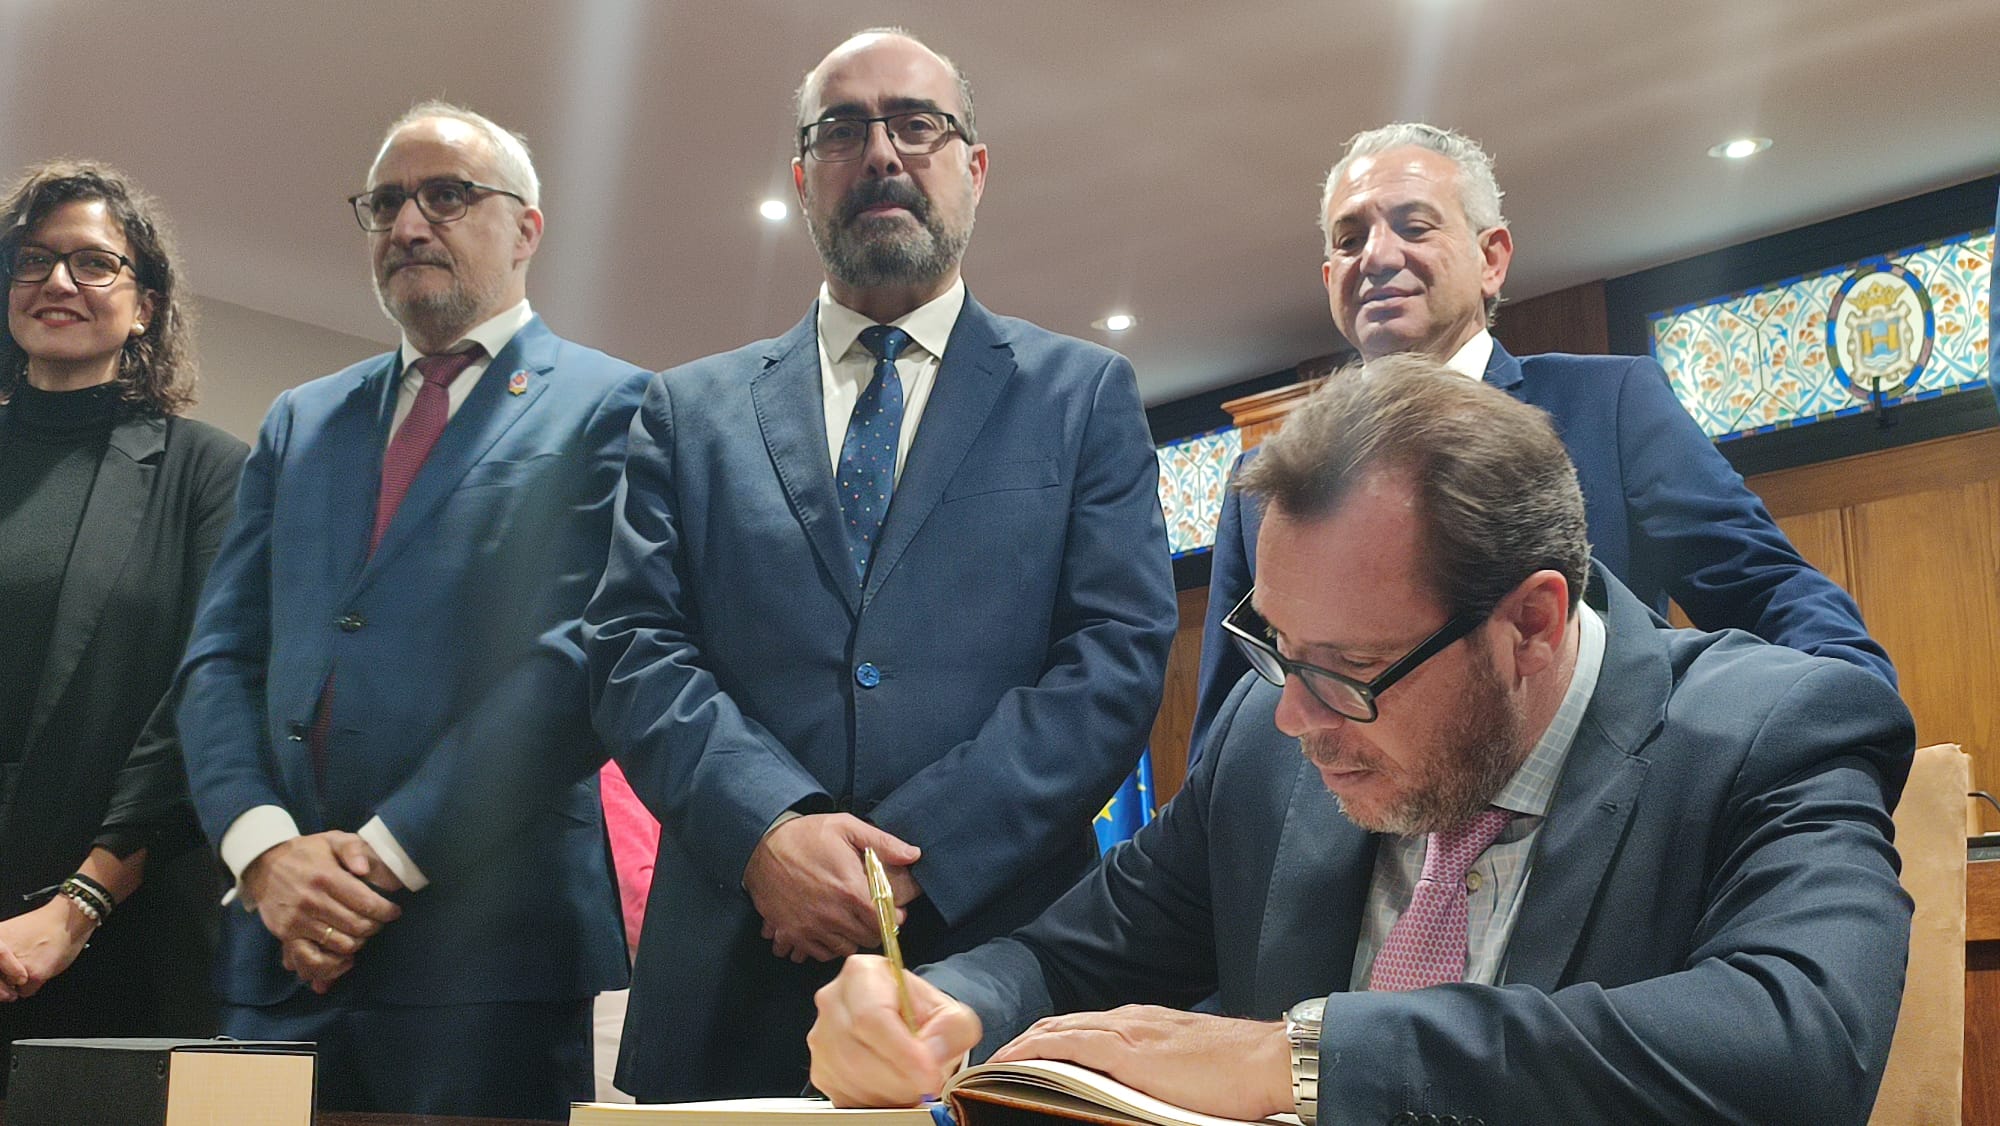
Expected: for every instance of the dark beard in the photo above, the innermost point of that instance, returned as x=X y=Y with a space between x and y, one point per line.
x=860 y=256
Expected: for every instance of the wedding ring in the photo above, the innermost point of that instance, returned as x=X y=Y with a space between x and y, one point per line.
x=327 y=938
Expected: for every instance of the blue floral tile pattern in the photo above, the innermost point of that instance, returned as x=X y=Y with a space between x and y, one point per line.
x=1758 y=361
x=1193 y=472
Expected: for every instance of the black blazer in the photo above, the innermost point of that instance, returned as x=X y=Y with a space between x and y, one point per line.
x=101 y=752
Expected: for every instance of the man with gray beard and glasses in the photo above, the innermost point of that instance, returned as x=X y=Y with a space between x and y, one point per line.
x=896 y=579
x=386 y=717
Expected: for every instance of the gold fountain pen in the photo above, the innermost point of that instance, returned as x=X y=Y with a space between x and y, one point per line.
x=885 y=918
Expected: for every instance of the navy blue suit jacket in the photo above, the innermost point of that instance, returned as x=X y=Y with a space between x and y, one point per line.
x=1017 y=613
x=461 y=710
x=1668 y=515
x=1712 y=931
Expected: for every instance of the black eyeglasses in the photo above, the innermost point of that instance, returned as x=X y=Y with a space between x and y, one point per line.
x=835 y=139
x=440 y=201
x=1344 y=695
x=87 y=265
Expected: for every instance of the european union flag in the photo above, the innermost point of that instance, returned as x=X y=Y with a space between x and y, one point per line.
x=1129 y=808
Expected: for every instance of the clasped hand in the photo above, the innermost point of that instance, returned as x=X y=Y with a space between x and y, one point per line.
x=806 y=880
x=321 y=897
x=37 y=945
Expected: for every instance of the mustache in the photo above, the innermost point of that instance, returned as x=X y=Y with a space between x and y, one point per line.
x=869 y=193
x=397 y=259
x=1323 y=749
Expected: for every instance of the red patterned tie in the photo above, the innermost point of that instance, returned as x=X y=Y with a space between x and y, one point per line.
x=1427 y=946
x=408 y=448
x=419 y=432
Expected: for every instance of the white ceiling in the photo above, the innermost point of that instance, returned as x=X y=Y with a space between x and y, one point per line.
x=1157 y=156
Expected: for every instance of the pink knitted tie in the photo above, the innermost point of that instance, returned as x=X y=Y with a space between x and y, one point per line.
x=1427 y=946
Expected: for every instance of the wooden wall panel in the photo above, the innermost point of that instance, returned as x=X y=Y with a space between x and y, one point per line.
x=1822 y=538
x=1176 y=718
x=1568 y=320
x=1929 y=585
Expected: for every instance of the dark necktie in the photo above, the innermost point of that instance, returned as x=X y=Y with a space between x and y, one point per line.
x=868 y=456
x=408 y=449
x=1428 y=944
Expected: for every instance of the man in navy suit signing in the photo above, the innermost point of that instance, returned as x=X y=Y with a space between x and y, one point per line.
x=386 y=713
x=897 y=578
x=1416 y=253
x=1480 y=843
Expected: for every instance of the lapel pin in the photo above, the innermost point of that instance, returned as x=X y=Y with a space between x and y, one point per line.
x=517 y=383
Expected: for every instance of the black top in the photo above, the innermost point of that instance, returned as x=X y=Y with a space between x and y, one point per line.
x=50 y=448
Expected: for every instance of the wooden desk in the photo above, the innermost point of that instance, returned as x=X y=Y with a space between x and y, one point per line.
x=1982 y=990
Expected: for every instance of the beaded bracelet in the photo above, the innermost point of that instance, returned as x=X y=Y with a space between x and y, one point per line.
x=90 y=897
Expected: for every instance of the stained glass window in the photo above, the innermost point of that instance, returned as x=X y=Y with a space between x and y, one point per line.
x=1192 y=474
x=1894 y=328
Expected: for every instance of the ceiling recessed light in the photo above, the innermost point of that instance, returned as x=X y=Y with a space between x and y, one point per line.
x=774 y=210
x=1116 y=322
x=1740 y=148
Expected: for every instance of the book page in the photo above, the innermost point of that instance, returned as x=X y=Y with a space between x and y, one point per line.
x=1091 y=1086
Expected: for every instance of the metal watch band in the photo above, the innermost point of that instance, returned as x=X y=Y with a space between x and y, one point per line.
x=1302 y=1027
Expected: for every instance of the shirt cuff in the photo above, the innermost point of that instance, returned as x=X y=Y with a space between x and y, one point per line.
x=259 y=830
x=379 y=838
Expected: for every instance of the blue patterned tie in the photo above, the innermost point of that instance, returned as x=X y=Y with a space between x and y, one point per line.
x=868 y=456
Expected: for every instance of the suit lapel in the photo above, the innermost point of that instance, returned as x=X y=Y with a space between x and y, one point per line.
x=111 y=519
x=1601 y=785
x=1504 y=371
x=977 y=366
x=486 y=414
x=1319 y=885
x=791 y=415
x=351 y=441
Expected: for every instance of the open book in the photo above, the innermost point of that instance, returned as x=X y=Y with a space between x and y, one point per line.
x=1021 y=1093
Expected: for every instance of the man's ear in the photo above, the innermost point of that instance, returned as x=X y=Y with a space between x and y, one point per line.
x=1538 y=619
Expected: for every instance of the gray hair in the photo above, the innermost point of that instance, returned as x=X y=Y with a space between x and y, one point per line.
x=1496 y=493
x=808 y=92
x=513 y=167
x=1478 y=193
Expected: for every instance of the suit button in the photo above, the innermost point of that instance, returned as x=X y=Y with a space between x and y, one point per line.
x=297 y=731
x=349 y=623
x=867 y=676
x=1404 y=1119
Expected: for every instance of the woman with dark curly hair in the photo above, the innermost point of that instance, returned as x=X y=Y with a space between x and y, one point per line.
x=111 y=508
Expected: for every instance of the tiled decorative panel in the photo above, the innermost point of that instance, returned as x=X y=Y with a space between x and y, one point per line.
x=1909 y=325
x=1192 y=474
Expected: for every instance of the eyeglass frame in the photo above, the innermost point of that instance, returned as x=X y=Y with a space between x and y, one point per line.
x=1450 y=633
x=952 y=129
x=63 y=259
x=468 y=186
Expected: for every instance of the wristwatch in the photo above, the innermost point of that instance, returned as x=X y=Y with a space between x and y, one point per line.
x=1302 y=1036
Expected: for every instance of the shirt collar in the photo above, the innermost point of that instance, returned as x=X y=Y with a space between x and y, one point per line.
x=1473 y=356
x=1533 y=785
x=492 y=335
x=929 y=324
